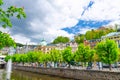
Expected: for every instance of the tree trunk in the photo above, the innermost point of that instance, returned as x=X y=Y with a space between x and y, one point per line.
x=110 y=67
x=82 y=64
x=94 y=64
x=69 y=65
x=58 y=65
x=23 y=63
x=45 y=64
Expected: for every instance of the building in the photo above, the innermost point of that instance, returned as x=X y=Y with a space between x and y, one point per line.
x=24 y=49
x=73 y=45
x=62 y=46
x=44 y=47
x=113 y=36
x=102 y=28
x=4 y=50
x=92 y=42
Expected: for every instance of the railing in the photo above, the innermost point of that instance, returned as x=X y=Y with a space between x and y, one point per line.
x=73 y=73
x=94 y=67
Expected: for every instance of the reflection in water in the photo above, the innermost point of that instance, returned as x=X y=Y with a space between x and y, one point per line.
x=21 y=75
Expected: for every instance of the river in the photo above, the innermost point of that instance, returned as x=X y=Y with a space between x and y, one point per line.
x=22 y=75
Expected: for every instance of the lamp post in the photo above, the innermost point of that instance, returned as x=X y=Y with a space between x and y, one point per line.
x=9 y=63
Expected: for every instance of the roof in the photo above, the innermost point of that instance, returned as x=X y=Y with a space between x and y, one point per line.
x=94 y=40
x=43 y=43
x=51 y=45
x=112 y=34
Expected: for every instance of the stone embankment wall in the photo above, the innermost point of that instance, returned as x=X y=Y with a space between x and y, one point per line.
x=73 y=73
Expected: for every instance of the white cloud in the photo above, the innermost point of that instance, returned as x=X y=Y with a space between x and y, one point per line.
x=117 y=22
x=56 y=33
x=46 y=18
x=71 y=8
x=52 y=34
x=103 y=10
x=113 y=24
x=61 y=14
x=5 y=30
x=19 y=38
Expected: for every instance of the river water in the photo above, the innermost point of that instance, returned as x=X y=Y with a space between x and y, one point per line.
x=21 y=75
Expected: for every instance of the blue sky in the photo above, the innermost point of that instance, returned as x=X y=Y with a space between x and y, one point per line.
x=85 y=24
x=47 y=19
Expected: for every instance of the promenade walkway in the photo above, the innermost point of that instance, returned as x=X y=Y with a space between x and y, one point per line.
x=96 y=68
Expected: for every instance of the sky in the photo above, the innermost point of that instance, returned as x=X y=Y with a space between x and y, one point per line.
x=47 y=19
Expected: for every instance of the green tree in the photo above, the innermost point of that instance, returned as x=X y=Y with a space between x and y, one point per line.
x=79 y=39
x=11 y=11
x=68 y=55
x=61 y=39
x=18 y=58
x=84 y=54
x=6 y=40
x=23 y=58
x=5 y=15
x=93 y=34
x=46 y=59
x=96 y=34
x=7 y=58
x=87 y=35
x=19 y=44
x=107 y=51
x=41 y=60
x=33 y=56
x=14 y=57
x=55 y=56
x=30 y=56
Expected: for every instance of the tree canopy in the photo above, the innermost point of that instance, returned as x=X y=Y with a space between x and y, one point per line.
x=55 y=55
x=11 y=11
x=93 y=34
x=84 y=54
x=107 y=51
x=67 y=55
x=6 y=40
x=79 y=38
x=61 y=39
x=5 y=15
